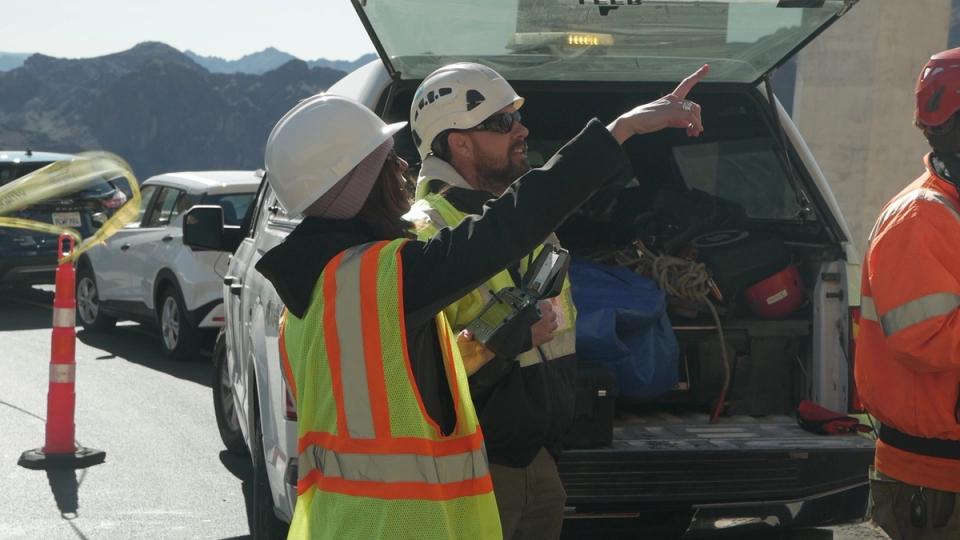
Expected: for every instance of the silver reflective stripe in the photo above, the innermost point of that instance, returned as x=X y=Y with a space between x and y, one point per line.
x=64 y=317
x=916 y=311
x=393 y=467
x=353 y=368
x=63 y=373
x=868 y=310
x=896 y=206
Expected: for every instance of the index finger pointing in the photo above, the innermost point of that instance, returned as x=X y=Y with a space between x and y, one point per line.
x=687 y=84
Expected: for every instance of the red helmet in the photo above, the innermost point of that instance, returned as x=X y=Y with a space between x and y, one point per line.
x=938 y=88
x=776 y=296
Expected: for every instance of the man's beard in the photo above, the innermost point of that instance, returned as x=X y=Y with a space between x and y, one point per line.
x=494 y=177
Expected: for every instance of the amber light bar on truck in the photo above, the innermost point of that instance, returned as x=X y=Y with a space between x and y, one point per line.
x=589 y=39
x=521 y=41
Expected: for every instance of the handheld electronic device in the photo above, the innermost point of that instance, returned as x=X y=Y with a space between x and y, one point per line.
x=512 y=310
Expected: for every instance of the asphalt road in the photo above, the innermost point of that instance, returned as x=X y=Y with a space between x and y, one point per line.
x=165 y=475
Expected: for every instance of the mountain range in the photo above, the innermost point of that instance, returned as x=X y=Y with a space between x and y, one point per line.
x=270 y=58
x=255 y=63
x=158 y=108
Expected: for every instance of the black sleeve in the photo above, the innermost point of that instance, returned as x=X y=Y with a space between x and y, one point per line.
x=488 y=377
x=442 y=269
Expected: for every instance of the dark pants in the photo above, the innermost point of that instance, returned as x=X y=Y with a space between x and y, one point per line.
x=530 y=499
x=891 y=506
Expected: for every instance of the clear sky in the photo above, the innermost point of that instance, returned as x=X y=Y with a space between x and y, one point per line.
x=307 y=29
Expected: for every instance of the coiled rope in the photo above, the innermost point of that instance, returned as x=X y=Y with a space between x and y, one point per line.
x=684 y=279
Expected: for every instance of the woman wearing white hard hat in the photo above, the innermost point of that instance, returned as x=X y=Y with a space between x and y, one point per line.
x=389 y=445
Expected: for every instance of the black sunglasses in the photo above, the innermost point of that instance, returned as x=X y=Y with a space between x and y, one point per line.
x=501 y=122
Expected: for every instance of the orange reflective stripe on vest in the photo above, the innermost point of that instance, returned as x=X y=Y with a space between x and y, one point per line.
x=404 y=445
x=332 y=339
x=284 y=358
x=372 y=351
x=399 y=475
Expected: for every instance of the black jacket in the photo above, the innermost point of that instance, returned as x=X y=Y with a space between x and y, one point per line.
x=455 y=261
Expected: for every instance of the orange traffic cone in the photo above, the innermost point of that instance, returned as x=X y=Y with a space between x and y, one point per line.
x=60 y=449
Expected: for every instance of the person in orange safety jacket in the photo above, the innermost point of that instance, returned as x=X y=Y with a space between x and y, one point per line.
x=907 y=365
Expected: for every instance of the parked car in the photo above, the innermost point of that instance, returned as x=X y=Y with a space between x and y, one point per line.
x=28 y=256
x=668 y=467
x=145 y=273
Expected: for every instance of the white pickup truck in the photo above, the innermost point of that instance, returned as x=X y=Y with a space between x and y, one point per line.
x=668 y=468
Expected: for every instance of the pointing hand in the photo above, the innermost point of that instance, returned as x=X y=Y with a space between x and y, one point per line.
x=672 y=110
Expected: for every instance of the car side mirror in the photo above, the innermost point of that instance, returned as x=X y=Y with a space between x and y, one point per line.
x=203 y=227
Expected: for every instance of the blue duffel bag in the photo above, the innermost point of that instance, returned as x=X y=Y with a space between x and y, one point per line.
x=622 y=323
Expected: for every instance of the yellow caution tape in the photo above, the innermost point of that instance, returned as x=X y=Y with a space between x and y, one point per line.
x=62 y=178
x=39 y=226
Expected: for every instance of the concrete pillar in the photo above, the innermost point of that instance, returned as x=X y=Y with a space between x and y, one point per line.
x=854 y=102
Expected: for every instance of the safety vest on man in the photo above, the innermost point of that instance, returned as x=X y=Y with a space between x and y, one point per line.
x=907 y=364
x=432 y=213
x=372 y=463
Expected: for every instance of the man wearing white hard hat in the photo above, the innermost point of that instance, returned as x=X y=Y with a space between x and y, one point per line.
x=388 y=438
x=466 y=123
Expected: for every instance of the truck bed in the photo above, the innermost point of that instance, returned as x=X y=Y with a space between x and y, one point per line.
x=664 y=457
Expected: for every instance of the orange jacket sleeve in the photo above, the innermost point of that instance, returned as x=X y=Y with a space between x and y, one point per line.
x=913 y=268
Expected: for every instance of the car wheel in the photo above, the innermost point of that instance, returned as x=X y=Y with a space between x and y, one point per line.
x=264 y=523
x=180 y=339
x=223 y=405
x=88 y=303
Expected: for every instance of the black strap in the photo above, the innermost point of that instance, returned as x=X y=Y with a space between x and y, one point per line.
x=941 y=448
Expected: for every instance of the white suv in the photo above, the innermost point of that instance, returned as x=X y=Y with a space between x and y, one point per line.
x=145 y=273
x=668 y=469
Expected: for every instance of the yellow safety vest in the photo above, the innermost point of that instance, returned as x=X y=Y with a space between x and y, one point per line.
x=372 y=463
x=432 y=213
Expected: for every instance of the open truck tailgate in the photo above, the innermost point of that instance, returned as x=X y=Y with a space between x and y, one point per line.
x=659 y=458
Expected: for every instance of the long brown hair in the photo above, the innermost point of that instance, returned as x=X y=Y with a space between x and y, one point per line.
x=388 y=201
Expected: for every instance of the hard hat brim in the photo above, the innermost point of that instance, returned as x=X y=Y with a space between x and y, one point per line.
x=390 y=130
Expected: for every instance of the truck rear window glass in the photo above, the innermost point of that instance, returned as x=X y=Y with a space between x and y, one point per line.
x=747 y=171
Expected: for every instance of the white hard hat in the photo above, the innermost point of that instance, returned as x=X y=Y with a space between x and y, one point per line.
x=457 y=96
x=317 y=143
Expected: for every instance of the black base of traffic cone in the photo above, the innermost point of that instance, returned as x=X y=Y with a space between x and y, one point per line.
x=81 y=458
